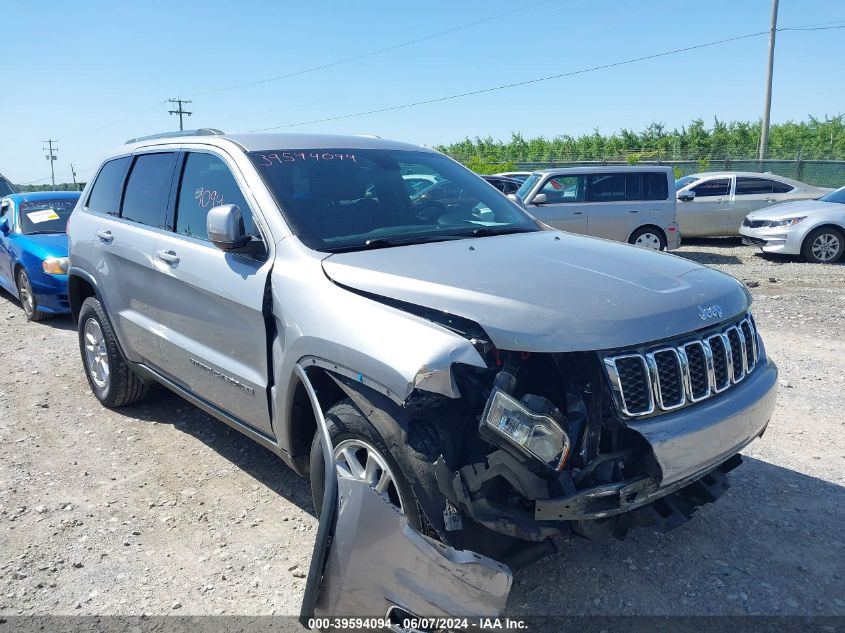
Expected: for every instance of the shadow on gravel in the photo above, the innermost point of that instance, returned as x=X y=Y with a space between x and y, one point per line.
x=770 y=545
x=58 y=322
x=164 y=407
x=709 y=258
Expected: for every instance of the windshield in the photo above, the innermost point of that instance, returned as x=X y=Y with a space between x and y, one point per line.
x=680 y=183
x=6 y=187
x=349 y=199
x=45 y=216
x=527 y=185
x=835 y=196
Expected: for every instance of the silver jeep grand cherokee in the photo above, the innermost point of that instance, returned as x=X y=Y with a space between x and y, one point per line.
x=493 y=381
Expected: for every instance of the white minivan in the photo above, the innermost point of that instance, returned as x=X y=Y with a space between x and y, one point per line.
x=618 y=202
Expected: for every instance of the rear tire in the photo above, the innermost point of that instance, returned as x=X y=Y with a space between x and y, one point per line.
x=27 y=298
x=649 y=237
x=111 y=379
x=353 y=434
x=823 y=245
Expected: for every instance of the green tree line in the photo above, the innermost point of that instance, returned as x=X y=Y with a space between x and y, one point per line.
x=813 y=139
x=60 y=186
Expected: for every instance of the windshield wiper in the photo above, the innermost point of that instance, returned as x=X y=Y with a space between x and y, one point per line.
x=485 y=231
x=42 y=232
x=388 y=242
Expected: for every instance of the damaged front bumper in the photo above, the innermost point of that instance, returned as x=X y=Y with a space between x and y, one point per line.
x=692 y=449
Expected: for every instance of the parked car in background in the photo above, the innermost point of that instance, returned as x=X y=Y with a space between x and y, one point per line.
x=623 y=203
x=417 y=182
x=6 y=187
x=714 y=204
x=516 y=175
x=33 y=250
x=814 y=229
x=505 y=185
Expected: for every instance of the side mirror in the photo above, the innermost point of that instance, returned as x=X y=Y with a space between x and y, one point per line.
x=4 y=226
x=516 y=200
x=686 y=196
x=225 y=227
x=539 y=199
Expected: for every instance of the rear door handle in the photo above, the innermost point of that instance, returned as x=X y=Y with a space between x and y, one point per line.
x=105 y=236
x=168 y=256
x=578 y=212
x=633 y=211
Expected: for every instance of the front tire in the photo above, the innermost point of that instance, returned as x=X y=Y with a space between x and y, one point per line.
x=27 y=298
x=361 y=453
x=649 y=237
x=109 y=375
x=823 y=245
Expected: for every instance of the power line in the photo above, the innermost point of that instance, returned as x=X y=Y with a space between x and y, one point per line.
x=179 y=110
x=379 y=51
x=523 y=83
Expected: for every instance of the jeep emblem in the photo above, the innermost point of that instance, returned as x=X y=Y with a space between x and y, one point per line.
x=710 y=312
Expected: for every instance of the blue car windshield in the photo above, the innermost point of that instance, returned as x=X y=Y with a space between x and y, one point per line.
x=835 y=196
x=338 y=199
x=45 y=216
x=6 y=187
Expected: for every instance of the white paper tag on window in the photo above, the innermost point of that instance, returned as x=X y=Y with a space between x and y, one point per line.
x=37 y=217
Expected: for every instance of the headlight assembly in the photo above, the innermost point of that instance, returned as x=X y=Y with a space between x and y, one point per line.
x=536 y=435
x=55 y=265
x=786 y=222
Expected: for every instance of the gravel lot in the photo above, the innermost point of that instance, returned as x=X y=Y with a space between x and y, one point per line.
x=159 y=509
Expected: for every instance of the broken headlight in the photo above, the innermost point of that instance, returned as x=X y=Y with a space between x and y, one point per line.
x=536 y=435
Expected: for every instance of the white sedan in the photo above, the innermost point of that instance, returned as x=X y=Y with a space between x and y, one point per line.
x=814 y=229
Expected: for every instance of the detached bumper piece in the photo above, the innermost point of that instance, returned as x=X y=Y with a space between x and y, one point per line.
x=378 y=565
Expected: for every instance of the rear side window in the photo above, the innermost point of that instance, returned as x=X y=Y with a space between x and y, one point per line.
x=781 y=187
x=207 y=183
x=105 y=193
x=715 y=187
x=753 y=186
x=615 y=187
x=148 y=189
x=655 y=186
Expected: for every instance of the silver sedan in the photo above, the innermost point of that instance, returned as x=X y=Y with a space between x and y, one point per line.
x=715 y=203
x=814 y=229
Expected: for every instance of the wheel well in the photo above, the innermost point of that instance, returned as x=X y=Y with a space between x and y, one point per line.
x=302 y=424
x=653 y=227
x=78 y=290
x=829 y=225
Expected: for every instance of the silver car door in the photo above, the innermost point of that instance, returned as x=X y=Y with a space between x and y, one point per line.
x=750 y=195
x=614 y=205
x=709 y=212
x=368 y=562
x=564 y=203
x=213 y=332
x=124 y=248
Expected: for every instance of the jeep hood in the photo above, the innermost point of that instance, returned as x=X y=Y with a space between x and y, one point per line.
x=547 y=291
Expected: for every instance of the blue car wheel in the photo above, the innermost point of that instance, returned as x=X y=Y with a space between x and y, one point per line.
x=28 y=300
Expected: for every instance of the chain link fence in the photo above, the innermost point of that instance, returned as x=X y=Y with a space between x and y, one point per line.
x=820 y=173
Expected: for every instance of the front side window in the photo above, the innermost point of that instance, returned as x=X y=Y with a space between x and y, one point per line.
x=338 y=199
x=207 y=183
x=45 y=216
x=105 y=193
x=713 y=187
x=562 y=189
x=148 y=189
x=682 y=182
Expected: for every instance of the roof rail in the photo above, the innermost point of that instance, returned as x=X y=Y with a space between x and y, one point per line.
x=203 y=131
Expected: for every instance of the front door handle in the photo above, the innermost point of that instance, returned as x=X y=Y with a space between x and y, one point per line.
x=105 y=236
x=578 y=212
x=168 y=256
x=632 y=211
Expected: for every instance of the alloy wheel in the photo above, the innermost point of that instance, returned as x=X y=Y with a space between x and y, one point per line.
x=96 y=354
x=825 y=247
x=25 y=294
x=356 y=459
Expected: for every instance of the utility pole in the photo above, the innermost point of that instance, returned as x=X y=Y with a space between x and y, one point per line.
x=73 y=171
x=51 y=156
x=179 y=110
x=767 y=106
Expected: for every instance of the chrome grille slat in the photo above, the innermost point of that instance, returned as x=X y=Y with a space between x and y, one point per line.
x=676 y=375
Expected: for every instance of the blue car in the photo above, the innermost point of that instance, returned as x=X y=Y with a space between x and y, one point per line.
x=33 y=250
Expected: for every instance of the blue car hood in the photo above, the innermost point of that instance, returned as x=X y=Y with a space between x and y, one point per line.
x=45 y=245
